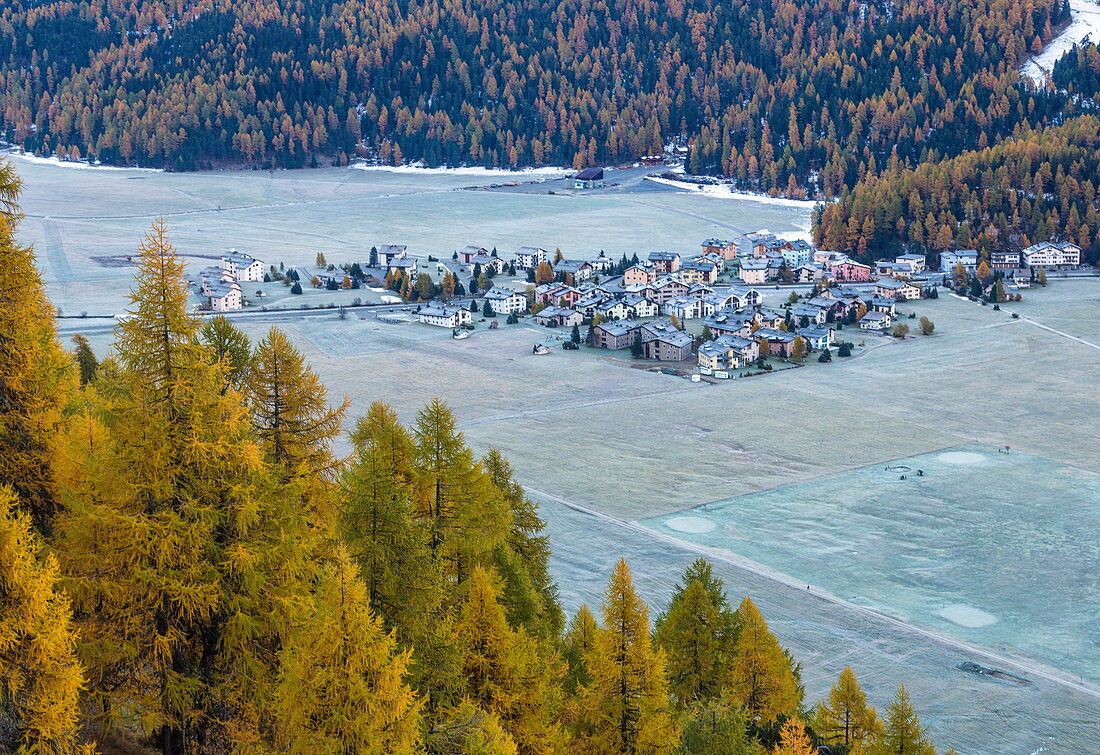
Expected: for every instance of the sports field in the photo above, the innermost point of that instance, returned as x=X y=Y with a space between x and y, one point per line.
x=998 y=549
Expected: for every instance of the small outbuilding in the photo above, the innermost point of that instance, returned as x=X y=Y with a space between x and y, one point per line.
x=589 y=178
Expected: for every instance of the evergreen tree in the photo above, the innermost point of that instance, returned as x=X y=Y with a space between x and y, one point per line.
x=575 y=335
x=403 y=578
x=86 y=361
x=505 y=671
x=718 y=728
x=290 y=408
x=40 y=677
x=230 y=345
x=579 y=641
x=36 y=375
x=523 y=560
x=697 y=634
x=467 y=515
x=341 y=685
x=844 y=717
x=761 y=677
x=637 y=349
x=625 y=708
x=487 y=310
x=902 y=733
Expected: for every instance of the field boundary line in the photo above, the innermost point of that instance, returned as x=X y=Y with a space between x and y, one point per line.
x=760 y=570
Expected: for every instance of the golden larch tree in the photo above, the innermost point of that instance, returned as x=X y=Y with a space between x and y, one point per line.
x=36 y=374
x=342 y=681
x=40 y=677
x=625 y=708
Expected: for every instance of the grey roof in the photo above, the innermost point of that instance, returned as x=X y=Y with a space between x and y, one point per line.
x=590 y=174
x=774 y=334
x=501 y=293
x=814 y=332
x=441 y=310
x=570 y=266
x=664 y=256
x=619 y=327
x=890 y=283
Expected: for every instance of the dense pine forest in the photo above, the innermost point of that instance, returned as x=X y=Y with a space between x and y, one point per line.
x=1033 y=187
x=187 y=566
x=804 y=97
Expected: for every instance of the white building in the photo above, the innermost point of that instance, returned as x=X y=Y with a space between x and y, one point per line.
x=389 y=252
x=1052 y=255
x=243 y=267
x=225 y=296
x=528 y=257
x=504 y=301
x=445 y=315
x=689 y=308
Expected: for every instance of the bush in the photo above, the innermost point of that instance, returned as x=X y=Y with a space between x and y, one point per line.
x=1015 y=315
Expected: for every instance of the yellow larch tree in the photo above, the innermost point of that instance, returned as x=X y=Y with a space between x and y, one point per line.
x=845 y=718
x=40 y=677
x=342 y=681
x=625 y=708
x=37 y=377
x=793 y=739
x=184 y=559
x=506 y=671
x=761 y=677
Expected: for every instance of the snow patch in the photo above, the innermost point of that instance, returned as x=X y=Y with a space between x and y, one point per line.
x=1085 y=24
x=723 y=191
x=961 y=457
x=59 y=163
x=967 y=616
x=695 y=525
x=421 y=170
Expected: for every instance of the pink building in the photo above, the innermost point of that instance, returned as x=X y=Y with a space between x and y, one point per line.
x=850 y=272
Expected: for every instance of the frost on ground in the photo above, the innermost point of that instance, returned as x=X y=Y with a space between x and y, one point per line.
x=987 y=547
x=422 y=170
x=1085 y=26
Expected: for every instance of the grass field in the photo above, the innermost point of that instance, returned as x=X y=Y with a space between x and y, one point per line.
x=604 y=446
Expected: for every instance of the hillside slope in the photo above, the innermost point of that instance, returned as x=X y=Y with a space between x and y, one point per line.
x=775 y=93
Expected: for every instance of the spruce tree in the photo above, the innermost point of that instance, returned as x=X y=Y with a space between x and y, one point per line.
x=230 y=346
x=530 y=594
x=290 y=408
x=40 y=677
x=467 y=515
x=36 y=374
x=404 y=579
x=86 y=361
x=902 y=733
x=341 y=687
x=761 y=677
x=625 y=707
x=698 y=649
x=717 y=727
x=844 y=717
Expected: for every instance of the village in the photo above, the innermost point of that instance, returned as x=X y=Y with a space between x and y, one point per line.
x=733 y=308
